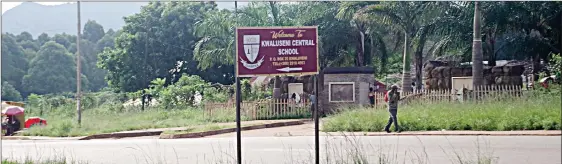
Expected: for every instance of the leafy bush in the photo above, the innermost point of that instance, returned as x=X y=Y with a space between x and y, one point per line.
x=9 y=93
x=183 y=92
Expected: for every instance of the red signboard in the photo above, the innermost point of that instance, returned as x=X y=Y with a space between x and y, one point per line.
x=276 y=51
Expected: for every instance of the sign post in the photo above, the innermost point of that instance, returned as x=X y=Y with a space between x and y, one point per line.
x=274 y=51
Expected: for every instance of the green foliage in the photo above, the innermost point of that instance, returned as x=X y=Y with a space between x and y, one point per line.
x=93 y=31
x=556 y=64
x=64 y=39
x=14 y=63
x=183 y=92
x=534 y=113
x=168 y=39
x=156 y=87
x=167 y=30
x=9 y=93
x=212 y=94
x=43 y=38
x=52 y=71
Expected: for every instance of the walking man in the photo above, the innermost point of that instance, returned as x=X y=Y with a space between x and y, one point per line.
x=392 y=97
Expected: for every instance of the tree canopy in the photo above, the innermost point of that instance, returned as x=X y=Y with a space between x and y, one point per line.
x=168 y=39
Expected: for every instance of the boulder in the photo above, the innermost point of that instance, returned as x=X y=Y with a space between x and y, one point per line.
x=437 y=72
x=497 y=71
x=427 y=74
x=446 y=72
x=433 y=83
x=513 y=70
x=448 y=83
x=456 y=72
x=467 y=71
x=441 y=83
x=430 y=65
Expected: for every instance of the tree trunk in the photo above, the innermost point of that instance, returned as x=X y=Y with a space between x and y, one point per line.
x=477 y=65
x=492 y=47
x=406 y=77
x=277 y=82
x=277 y=87
x=418 y=55
x=361 y=50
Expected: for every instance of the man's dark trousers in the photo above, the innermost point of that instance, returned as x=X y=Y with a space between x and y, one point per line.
x=391 y=119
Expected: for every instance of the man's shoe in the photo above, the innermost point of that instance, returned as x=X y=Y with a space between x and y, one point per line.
x=387 y=131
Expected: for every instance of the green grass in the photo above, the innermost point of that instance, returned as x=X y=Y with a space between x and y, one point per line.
x=56 y=160
x=62 y=122
x=533 y=113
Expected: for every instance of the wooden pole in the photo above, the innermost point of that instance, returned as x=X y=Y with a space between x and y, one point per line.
x=78 y=65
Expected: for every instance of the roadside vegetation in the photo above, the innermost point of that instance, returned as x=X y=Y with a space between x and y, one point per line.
x=105 y=112
x=540 y=110
x=119 y=65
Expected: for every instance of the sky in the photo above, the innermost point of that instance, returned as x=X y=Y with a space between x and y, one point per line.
x=9 y=5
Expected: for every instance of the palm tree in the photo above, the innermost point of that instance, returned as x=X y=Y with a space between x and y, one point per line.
x=418 y=21
x=347 y=12
x=477 y=65
x=216 y=46
x=402 y=15
x=217 y=33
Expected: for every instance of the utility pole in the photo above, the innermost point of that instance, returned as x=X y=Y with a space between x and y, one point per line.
x=78 y=77
x=145 y=66
x=238 y=100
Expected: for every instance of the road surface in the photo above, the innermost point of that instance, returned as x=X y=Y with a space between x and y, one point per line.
x=295 y=149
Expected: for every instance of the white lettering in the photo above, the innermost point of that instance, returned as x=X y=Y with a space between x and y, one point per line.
x=275 y=43
x=303 y=43
x=288 y=51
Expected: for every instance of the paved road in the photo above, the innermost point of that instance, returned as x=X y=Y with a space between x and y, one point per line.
x=295 y=149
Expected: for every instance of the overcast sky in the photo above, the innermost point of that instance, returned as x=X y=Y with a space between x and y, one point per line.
x=9 y=5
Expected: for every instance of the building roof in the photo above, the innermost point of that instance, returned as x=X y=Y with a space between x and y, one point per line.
x=349 y=70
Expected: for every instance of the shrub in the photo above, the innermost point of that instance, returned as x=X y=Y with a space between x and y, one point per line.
x=534 y=113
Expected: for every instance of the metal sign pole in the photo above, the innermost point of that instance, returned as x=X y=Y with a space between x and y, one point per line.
x=238 y=133
x=316 y=127
x=238 y=99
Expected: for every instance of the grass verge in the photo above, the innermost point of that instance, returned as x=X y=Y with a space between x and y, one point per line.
x=97 y=121
x=534 y=113
x=56 y=160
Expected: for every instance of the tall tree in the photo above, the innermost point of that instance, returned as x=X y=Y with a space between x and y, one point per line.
x=43 y=38
x=24 y=36
x=9 y=93
x=347 y=11
x=14 y=63
x=408 y=16
x=93 y=31
x=215 y=49
x=52 y=71
x=477 y=64
x=157 y=42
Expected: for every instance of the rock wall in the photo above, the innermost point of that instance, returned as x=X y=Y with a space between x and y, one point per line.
x=437 y=74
